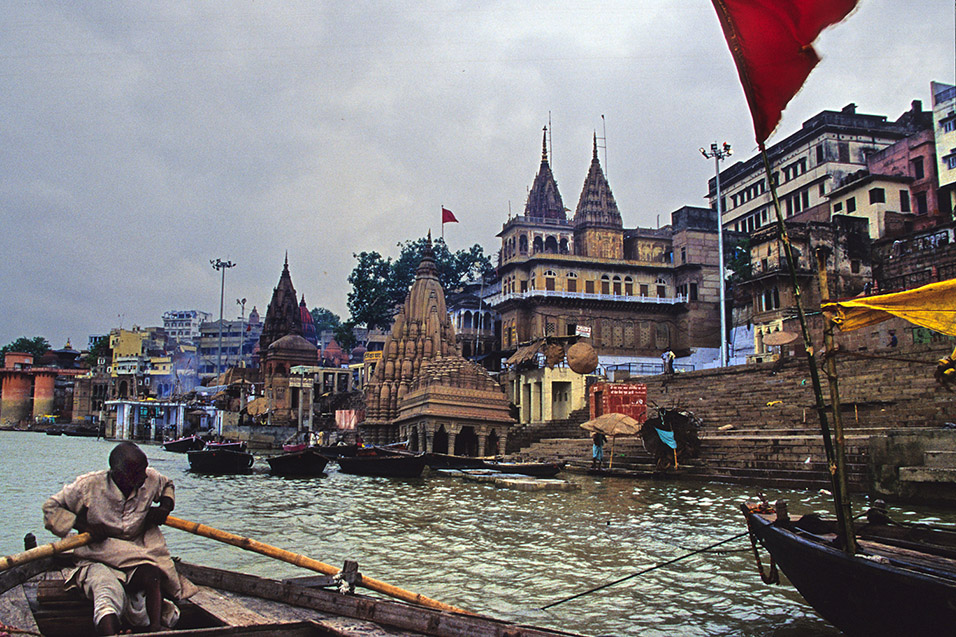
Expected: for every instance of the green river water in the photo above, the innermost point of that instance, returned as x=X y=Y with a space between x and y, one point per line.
x=491 y=550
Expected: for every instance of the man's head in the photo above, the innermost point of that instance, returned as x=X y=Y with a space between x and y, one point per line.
x=128 y=467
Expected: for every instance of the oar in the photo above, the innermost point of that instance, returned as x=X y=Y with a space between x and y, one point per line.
x=39 y=552
x=305 y=562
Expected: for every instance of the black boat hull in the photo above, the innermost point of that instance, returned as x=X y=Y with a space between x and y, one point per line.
x=220 y=461
x=383 y=466
x=533 y=469
x=182 y=445
x=307 y=462
x=860 y=596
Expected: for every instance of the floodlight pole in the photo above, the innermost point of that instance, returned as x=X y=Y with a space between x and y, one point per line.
x=719 y=152
x=220 y=265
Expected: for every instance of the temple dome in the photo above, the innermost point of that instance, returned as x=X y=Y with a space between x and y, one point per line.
x=294 y=343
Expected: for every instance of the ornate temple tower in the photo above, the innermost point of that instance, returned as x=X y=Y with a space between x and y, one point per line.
x=308 y=325
x=420 y=368
x=598 y=229
x=282 y=315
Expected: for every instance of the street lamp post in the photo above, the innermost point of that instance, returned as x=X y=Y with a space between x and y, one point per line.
x=220 y=265
x=719 y=152
x=242 y=330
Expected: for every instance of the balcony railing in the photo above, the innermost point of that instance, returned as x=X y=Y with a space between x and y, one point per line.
x=584 y=296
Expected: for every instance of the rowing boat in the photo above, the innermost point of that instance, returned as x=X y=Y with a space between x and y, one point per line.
x=231 y=603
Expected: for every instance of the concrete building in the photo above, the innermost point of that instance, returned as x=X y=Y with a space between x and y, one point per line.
x=239 y=340
x=183 y=325
x=944 y=129
x=808 y=165
x=27 y=392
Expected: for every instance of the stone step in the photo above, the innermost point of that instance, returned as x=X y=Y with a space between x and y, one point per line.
x=940 y=459
x=928 y=474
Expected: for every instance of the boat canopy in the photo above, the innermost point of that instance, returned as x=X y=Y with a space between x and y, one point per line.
x=932 y=306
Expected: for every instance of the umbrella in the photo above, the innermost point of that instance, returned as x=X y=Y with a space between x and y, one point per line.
x=612 y=425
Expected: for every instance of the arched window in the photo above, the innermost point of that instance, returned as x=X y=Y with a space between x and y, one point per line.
x=572 y=282
x=538 y=245
x=549 y=279
x=628 y=286
x=551 y=245
x=617 y=285
x=661 y=288
x=564 y=245
x=605 y=284
x=523 y=244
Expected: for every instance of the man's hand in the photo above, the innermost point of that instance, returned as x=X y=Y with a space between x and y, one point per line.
x=157 y=515
x=98 y=531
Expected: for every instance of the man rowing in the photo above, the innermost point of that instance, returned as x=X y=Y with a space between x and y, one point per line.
x=126 y=570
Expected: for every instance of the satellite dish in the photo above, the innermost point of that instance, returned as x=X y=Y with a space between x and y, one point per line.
x=779 y=338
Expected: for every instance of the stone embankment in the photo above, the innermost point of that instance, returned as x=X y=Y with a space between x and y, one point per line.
x=760 y=426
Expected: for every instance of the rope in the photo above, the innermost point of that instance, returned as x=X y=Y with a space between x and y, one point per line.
x=646 y=570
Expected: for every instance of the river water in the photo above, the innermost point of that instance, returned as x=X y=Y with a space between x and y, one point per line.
x=491 y=550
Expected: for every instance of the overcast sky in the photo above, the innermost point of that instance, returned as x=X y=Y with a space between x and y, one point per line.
x=139 y=140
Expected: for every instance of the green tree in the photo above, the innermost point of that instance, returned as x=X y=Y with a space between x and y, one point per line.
x=344 y=336
x=369 y=301
x=324 y=319
x=38 y=346
x=380 y=285
x=100 y=350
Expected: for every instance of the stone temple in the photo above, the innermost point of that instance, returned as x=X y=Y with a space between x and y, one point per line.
x=424 y=391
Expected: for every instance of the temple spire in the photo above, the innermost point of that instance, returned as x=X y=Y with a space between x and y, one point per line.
x=544 y=145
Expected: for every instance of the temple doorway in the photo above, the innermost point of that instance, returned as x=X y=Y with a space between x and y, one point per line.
x=491 y=444
x=466 y=442
x=440 y=441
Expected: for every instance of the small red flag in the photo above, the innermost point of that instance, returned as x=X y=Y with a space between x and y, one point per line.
x=771 y=41
x=447 y=216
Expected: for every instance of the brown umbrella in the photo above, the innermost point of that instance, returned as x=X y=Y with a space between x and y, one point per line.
x=613 y=425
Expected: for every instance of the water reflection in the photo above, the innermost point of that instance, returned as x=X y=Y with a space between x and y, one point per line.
x=487 y=549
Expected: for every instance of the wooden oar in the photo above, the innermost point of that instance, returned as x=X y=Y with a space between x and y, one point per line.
x=47 y=550
x=305 y=562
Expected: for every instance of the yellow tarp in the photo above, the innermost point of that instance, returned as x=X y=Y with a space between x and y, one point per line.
x=932 y=306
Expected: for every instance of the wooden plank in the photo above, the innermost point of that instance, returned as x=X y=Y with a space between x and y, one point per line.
x=226 y=610
x=425 y=621
x=15 y=610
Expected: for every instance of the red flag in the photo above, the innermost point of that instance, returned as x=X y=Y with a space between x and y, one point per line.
x=447 y=216
x=771 y=41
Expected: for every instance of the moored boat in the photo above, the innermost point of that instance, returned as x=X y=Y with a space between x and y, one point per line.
x=446 y=461
x=305 y=462
x=909 y=567
x=228 y=445
x=391 y=466
x=182 y=445
x=221 y=461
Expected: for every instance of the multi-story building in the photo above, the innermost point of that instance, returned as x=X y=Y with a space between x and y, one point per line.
x=765 y=297
x=944 y=128
x=239 y=340
x=636 y=292
x=808 y=165
x=183 y=325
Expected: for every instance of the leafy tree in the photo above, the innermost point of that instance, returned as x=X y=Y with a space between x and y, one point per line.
x=380 y=285
x=369 y=301
x=100 y=349
x=739 y=259
x=38 y=346
x=344 y=335
x=324 y=319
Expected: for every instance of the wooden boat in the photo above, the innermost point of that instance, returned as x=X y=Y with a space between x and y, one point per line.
x=446 y=461
x=227 y=445
x=306 y=462
x=391 y=466
x=535 y=469
x=230 y=603
x=182 y=445
x=219 y=461
x=901 y=581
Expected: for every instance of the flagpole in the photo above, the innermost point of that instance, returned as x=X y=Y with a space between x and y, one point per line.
x=443 y=223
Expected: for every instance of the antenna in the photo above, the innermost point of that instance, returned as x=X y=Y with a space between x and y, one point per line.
x=603 y=143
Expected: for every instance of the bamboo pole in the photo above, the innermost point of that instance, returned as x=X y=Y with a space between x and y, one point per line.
x=306 y=562
x=47 y=550
x=808 y=348
x=839 y=440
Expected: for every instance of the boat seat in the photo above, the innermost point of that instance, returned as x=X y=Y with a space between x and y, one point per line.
x=62 y=612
